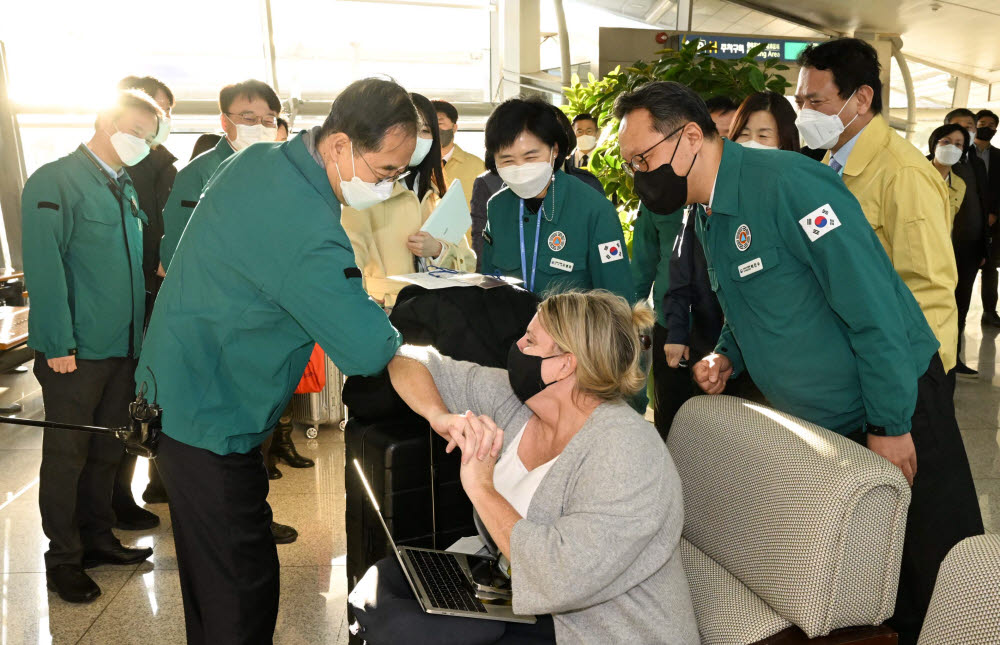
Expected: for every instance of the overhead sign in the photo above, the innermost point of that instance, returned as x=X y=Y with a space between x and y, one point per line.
x=738 y=46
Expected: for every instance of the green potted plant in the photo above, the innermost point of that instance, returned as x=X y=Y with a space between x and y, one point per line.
x=691 y=65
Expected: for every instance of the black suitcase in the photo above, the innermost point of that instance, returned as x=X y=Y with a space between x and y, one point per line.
x=416 y=485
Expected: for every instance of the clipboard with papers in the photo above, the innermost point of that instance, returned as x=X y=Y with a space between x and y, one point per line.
x=451 y=219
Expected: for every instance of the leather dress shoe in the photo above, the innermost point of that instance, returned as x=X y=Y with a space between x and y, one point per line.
x=135 y=518
x=115 y=555
x=71 y=583
x=991 y=319
x=271 y=466
x=155 y=495
x=283 y=534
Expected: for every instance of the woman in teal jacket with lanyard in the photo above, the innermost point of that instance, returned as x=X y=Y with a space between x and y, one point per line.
x=545 y=227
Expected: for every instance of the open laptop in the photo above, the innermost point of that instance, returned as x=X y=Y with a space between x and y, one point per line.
x=444 y=582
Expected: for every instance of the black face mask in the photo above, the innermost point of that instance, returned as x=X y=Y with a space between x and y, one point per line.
x=525 y=373
x=661 y=190
x=985 y=133
x=447 y=137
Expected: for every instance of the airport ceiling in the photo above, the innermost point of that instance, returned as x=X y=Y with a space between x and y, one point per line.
x=959 y=36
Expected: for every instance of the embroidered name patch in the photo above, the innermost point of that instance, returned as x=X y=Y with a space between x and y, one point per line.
x=743 y=237
x=751 y=267
x=819 y=222
x=562 y=265
x=611 y=251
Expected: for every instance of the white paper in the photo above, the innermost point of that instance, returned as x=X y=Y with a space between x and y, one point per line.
x=443 y=278
x=451 y=220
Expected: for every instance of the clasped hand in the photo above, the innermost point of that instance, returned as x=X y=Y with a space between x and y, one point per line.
x=480 y=441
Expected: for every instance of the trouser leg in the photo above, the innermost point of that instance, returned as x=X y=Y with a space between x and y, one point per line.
x=988 y=287
x=112 y=412
x=672 y=387
x=225 y=552
x=77 y=470
x=943 y=508
x=967 y=258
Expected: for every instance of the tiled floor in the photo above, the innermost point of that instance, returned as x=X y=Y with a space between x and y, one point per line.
x=142 y=605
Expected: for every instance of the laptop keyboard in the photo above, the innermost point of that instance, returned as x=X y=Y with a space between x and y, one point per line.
x=444 y=581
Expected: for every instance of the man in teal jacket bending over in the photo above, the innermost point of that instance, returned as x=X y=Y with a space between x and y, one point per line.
x=265 y=270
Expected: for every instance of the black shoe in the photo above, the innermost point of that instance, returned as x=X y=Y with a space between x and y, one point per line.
x=135 y=518
x=282 y=448
x=154 y=495
x=964 y=371
x=116 y=555
x=991 y=319
x=283 y=534
x=271 y=466
x=71 y=583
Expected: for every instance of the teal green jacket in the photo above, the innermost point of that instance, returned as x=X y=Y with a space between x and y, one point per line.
x=265 y=271
x=184 y=196
x=814 y=309
x=652 y=245
x=82 y=246
x=581 y=245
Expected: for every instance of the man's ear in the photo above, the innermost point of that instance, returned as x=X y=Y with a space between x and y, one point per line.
x=864 y=96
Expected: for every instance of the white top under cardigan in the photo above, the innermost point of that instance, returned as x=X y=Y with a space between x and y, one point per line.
x=516 y=483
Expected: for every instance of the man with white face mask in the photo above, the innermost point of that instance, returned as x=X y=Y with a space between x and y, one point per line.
x=263 y=273
x=249 y=113
x=82 y=245
x=902 y=196
x=586 y=131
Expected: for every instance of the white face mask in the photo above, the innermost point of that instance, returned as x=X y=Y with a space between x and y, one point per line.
x=972 y=134
x=947 y=154
x=360 y=194
x=528 y=179
x=757 y=145
x=822 y=131
x=130 y=149
x=420 y=152
x=162 y=131
x=250 y=134
x=586 y=142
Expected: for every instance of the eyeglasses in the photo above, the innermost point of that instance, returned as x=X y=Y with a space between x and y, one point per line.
x=639 y=163
x=249 y=118
x=390 y=179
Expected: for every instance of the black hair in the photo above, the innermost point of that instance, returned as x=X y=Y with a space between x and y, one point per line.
x=280 y=122
x=445 y=108
x=567 y=127
x=671 y=104
x=515 y=116
x=584 y=116
x=853 y=63
x=722 y=104
x=367 y=110
x=250 y=89
x=944 y=131
x=130 y=98
x=987 y=114
x=205 y=143
x=958 y=112
x=780 y=109
x=429 y=170
x=148 y=84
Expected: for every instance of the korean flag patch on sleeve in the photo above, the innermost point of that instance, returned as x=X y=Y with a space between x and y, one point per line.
x=611 y=251
x=819 y=222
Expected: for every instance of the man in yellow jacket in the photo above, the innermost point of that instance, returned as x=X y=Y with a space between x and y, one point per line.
x=458 y=164
x=903 y=197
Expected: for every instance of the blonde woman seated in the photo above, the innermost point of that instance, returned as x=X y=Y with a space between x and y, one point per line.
x=576 y=489
x=386 y=237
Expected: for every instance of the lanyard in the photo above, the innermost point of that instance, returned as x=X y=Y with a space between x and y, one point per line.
x=534 y=258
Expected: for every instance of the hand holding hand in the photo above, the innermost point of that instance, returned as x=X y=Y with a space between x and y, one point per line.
x=712 y=372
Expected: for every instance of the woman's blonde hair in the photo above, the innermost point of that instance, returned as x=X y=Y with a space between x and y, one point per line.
x=603 y=332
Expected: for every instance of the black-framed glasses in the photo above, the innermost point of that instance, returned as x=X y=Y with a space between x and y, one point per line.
x=638 y=163
x=390 y=179
x=249 y=118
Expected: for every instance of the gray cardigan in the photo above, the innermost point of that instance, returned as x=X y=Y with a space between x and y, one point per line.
x=599 y=547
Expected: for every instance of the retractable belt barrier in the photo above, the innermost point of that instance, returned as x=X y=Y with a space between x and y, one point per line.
x=140 y=436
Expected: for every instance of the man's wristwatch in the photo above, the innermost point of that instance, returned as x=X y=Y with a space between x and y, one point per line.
x=878 y=431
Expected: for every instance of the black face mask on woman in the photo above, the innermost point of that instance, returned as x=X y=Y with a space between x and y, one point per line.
x=662 y=190
x=525 y=373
